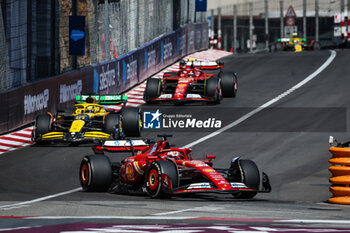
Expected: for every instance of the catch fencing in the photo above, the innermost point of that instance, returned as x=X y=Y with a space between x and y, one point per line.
x=34 y=35
x=239 y=25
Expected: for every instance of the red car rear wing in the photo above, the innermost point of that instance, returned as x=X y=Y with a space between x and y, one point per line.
x=122 y=146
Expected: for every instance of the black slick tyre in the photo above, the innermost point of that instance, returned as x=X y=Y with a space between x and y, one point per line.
x=131 y=122
x=95 y=173
x=152 y=90
x=250 y=176
x=213 y=90
x=112 y=125
x=156 y=186
x=317 y=46
x=42 y=126
x=229 y=84
x=279 y=47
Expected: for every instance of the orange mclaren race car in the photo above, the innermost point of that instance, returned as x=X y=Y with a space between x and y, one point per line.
x=88 y=121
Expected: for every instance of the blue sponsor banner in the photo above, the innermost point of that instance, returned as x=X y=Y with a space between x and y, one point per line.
x=77 y=35
x=201 y=5
x=162 y=52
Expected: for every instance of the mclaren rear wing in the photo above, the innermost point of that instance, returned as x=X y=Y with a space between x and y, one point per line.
x=103 y=99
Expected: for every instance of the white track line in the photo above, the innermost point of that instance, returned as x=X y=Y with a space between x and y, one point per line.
x=322 y=221
x=152 y=217
x=25 y=203
x=195 y=209
x=267 y=104
x=243 y=118
x=113 y=217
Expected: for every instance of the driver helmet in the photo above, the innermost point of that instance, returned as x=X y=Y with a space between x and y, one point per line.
x=173 y=154
x=90 y=109
x=90 y=100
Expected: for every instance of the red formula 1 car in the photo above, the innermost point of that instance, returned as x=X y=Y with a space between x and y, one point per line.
x=162 y=171
x=196 y=81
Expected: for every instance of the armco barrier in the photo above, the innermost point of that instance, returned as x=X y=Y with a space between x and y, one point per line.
x=340 y=179
x=20 y=106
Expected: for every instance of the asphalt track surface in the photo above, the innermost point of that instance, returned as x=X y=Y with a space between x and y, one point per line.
x=295 y=158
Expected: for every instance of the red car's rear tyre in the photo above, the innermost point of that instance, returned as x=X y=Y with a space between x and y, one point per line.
x=213 y=90
x=229 y=84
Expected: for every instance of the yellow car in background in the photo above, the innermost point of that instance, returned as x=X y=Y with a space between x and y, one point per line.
x=89 y=120
x=289 y=44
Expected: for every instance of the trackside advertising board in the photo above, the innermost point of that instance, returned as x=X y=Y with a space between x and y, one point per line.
x=22 y=105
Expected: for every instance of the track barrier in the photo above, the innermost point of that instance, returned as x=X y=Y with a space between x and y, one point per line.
x=20 y=106
x=340 y=180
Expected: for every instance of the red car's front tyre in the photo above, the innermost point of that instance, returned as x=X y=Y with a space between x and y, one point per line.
x=161 y=178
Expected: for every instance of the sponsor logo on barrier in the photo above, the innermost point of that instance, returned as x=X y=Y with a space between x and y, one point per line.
x=106 y=78
x=168 y=51
x=198 y=37
x=36 y=103
x=190 y=39
x=68 y=92
x=204 y=34
x=183 y=43
x=152 y=58
x=129 y=70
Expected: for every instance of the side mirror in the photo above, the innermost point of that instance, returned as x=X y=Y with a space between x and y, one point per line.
x=210 y=156
x=331 y=140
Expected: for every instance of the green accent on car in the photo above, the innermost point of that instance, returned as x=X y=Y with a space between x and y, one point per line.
x=103 y=99
x=159 y=85
x=279 y=40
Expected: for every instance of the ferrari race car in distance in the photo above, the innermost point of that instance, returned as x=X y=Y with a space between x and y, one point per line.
x=162 y=171
x=89 y=121
x=195 y=81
